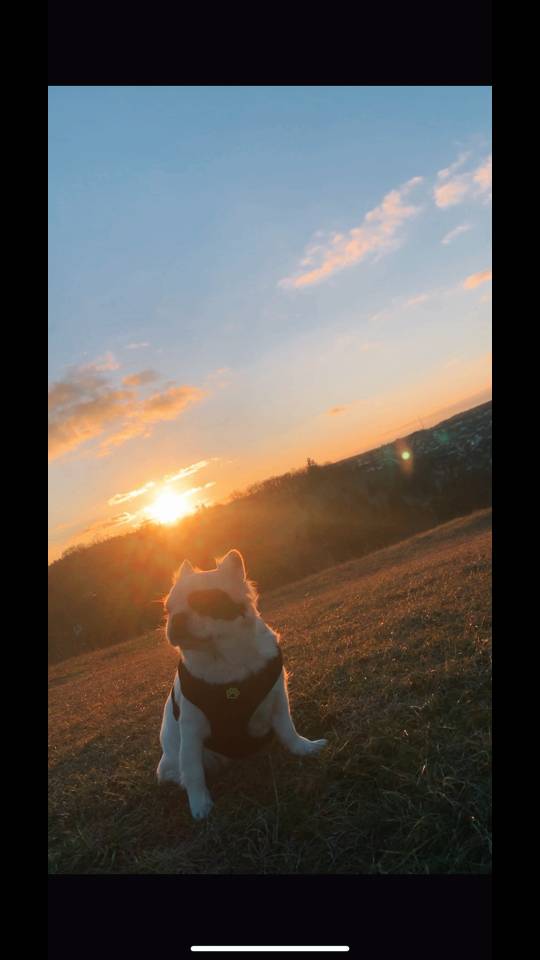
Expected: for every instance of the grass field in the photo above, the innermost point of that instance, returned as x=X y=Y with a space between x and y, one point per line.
x=390 y=658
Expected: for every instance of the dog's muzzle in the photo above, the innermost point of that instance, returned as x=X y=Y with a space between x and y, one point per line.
x=179 y=633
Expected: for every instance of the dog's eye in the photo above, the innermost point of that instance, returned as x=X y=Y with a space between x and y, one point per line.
x=215 y=604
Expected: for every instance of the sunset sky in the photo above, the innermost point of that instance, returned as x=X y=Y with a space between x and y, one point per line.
x=244 y=277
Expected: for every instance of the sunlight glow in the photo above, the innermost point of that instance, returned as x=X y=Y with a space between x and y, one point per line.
x=168 y=507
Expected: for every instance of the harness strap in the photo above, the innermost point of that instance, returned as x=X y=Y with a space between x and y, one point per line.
x=233 y=702
x=229 y=707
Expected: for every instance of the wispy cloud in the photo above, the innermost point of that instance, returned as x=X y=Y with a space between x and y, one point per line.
x=141 y=416
x=435 y=296
x=476 y=279
x=420 y=298
x=168 y=478
x=482 y=176
x=334 y=411
x=222 y=377
x=137 y=346
x=139 y=379
x=120 y=520
x=204 y=486
x=449 y=172
x=81 y=407
x=452 y=192
x=456 y=232
x=188 y=471
x=377 y=234
x=131 y=494
x=85 y=405
x=453 y=188
x=107 y=362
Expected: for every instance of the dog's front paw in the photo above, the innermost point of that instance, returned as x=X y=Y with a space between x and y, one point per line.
x=306 y=748
x=200 y=805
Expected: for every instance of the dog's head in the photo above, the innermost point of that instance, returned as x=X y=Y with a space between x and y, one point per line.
x=207 y=609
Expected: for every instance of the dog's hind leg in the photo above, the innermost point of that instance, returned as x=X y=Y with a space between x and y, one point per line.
x=169 y=765
x=214 y=763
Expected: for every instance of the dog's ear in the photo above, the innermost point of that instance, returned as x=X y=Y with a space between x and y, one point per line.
x=233 y=562
x=184 y=570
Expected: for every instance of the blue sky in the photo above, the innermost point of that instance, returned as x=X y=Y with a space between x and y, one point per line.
x=253 y=252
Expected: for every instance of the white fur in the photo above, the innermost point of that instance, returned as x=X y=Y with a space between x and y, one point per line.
x=227 y=651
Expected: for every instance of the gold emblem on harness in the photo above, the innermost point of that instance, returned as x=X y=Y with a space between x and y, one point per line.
x=232 y=693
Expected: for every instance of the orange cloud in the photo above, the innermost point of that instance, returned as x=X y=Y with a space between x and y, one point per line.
x=448 y=194
x=456 y=232
x=131 y=494
x=108 y=362
x=167 y=405
x=188 y=471
x=452 y=190
x=82 y=420
x=85 y=405
x=376 y=235
x=476 y=279
x=204 y=486
x=138 y=379
x=449 y=171
x=169 y=478
x=333 y=411
x=482 y=175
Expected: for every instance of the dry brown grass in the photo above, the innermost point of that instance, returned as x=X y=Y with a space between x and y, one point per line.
x=390 y=659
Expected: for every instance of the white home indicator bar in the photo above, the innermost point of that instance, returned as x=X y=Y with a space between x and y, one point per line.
x=270 y=949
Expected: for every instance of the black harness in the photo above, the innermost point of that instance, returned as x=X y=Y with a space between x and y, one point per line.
x=229 y=707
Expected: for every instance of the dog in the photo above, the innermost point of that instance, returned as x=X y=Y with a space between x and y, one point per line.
x=229 y=695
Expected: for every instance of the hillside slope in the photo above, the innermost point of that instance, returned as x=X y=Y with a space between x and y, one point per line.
x=389 y=658
x=286 y=527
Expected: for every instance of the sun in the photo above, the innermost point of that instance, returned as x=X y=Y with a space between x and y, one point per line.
x=168 y=507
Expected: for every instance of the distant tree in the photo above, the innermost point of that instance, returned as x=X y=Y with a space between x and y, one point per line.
x=70 y=551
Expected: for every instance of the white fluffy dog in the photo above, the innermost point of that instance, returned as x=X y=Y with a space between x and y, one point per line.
x=230 y=693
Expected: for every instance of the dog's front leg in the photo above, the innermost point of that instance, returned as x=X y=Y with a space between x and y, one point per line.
x=285 y=729
x=192 y=769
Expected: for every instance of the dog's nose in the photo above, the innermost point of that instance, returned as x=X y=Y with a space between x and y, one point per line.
x=178 y=627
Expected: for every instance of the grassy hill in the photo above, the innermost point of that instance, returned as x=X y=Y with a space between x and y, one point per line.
x=390 y=659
